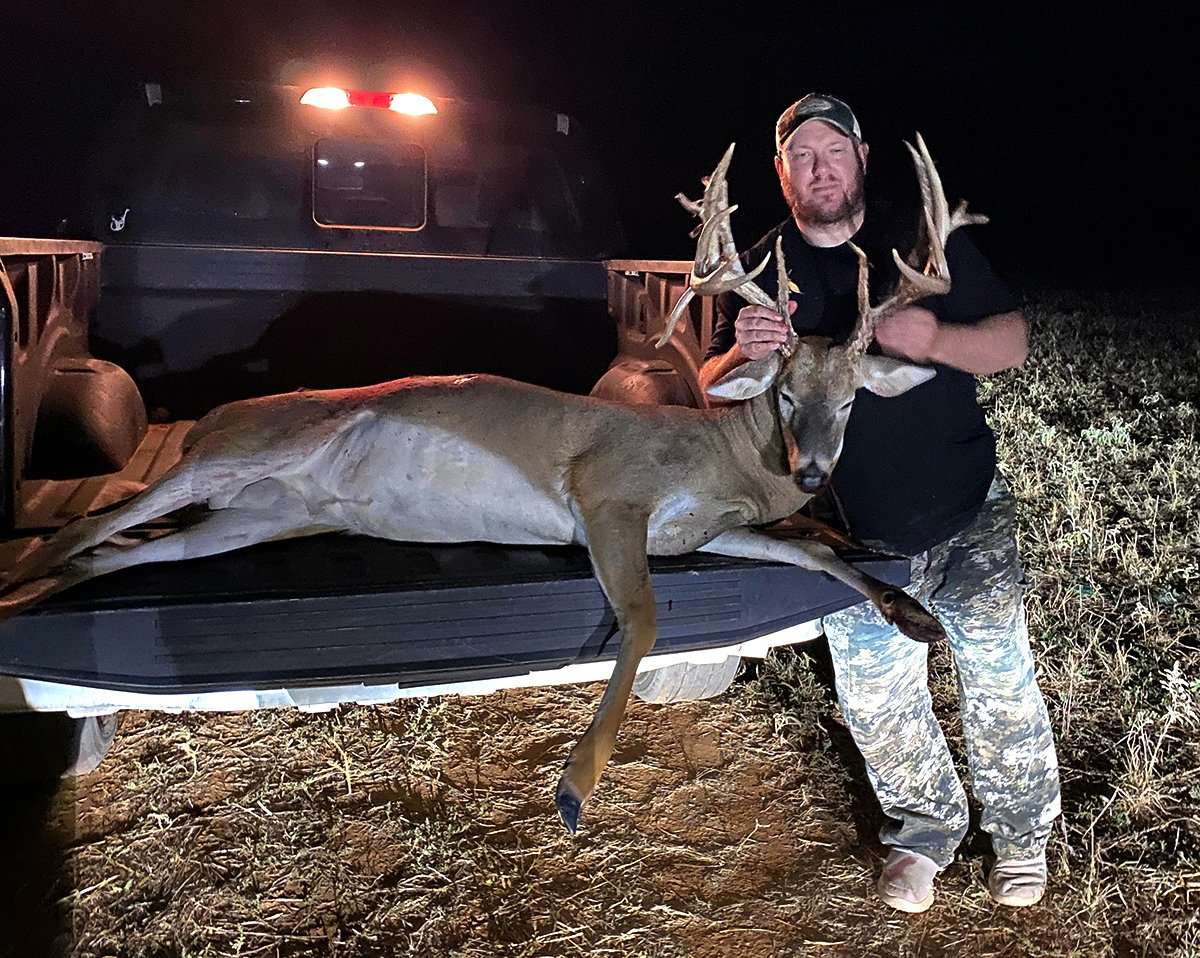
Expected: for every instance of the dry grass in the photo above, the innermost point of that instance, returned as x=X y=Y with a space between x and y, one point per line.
x=740 y=826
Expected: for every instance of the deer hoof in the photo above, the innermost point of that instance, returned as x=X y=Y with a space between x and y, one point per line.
x=569 y=806
x=911 y=618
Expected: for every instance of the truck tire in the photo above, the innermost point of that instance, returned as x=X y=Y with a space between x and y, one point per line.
x=94 y=738
x=685 y=681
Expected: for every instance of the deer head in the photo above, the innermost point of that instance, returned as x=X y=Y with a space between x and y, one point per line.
x=812 y=381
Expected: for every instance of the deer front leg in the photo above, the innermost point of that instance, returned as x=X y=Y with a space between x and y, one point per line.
x=895 y=605
x=617 y=545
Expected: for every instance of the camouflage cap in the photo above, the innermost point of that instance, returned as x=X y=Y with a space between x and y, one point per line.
x=816 y=106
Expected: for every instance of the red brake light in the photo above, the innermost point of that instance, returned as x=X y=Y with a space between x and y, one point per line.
x=335 y=98
x=380 y=101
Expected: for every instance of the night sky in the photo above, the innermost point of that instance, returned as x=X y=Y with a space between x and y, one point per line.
x=1073 y=131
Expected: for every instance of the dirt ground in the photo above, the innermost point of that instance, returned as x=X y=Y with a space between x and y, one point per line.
x=729 y=827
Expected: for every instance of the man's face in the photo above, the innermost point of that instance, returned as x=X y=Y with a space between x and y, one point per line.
x=822 y=173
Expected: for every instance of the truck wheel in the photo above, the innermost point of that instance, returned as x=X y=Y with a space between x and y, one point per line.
x=94 y=737
x=685 y=681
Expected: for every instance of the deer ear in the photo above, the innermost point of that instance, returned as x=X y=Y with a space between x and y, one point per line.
x=890 y=377
x=748 y=380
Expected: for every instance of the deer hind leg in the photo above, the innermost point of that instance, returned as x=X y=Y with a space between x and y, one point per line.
x=895 y=605
x=617 y=545
x=194 y=479
x=222 y=530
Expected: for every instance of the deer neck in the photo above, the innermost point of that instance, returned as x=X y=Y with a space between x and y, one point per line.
x=755 y=433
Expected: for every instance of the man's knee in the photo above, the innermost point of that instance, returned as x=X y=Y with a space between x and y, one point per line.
x=881 y=676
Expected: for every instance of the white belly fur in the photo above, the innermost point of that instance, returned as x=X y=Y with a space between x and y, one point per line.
x=419 y=483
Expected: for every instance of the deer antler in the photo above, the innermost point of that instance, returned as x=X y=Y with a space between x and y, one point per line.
x=913 y=285
x=717 y=267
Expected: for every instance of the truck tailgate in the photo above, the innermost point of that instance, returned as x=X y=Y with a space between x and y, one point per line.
x=339 y=609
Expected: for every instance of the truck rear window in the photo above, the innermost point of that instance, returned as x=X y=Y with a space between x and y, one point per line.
x=369 y=185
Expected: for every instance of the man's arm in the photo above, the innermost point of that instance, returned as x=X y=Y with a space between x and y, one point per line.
x=758 y=332
x=994 y=343
x=989 y=346
x=717 y=366
x=977 y=327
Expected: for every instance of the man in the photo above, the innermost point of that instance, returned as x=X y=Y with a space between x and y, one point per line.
x=917 y=476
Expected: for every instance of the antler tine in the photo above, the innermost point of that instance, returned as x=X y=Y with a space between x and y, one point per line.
x=713 y=284
x=864 y=329
x=728 y=273
x=781 y=297
x=935 y=211
x=962 y=218
x=717 y=267
x=692 y=206
x=931 y=184
x=695 y=208
x=709 y=252
x=914 y=284
x=716 y=186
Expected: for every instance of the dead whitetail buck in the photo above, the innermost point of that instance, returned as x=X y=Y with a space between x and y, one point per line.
x=480 y=458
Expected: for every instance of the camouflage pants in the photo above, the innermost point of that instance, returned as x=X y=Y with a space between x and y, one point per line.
x=973 y=583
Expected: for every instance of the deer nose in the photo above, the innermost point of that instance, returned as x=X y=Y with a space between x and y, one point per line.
x=811 y=478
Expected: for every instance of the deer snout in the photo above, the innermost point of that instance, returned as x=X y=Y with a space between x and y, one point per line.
x=811 y=478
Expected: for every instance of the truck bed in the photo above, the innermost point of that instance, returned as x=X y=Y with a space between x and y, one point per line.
x=44 y=504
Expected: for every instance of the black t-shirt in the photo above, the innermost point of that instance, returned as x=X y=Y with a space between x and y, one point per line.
x=914 y=469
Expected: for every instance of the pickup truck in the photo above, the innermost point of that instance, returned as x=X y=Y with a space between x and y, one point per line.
x=253 y=239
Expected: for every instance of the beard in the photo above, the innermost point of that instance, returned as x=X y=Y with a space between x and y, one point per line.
x=850 y=204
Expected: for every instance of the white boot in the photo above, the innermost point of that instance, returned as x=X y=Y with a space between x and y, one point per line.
x=906 y=882
x=1018 y=883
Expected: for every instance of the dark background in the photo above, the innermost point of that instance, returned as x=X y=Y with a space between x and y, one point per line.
x=1073 y=129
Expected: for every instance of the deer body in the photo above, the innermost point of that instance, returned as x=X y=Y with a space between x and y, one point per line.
x=439 y=460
